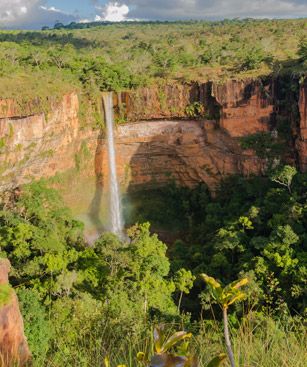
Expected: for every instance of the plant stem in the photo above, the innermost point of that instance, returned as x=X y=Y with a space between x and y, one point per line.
x=227 y=338
x=179 y=303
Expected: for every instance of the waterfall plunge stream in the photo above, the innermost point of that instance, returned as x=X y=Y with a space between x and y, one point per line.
x=115 y=212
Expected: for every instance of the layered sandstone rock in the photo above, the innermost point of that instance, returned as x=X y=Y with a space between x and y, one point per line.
x=165 y=101
x=163 y=144
x=246 y=106
x=14 y=349
x=151 y=153
x=39 y=146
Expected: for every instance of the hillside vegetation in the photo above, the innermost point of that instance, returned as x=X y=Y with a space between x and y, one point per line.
x=82 y=304
x=123 y=56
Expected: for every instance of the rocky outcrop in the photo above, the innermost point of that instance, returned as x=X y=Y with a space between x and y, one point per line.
x=41 y=145
x=164 y=101
x=190 y=132
x=13 y=344
x=246 y=106
x=302 y=133
x=151 y=153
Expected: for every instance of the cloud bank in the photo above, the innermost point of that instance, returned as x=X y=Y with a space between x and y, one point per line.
x=30 y=14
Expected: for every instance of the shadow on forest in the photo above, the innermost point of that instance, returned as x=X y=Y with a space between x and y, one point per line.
x=43 y=39
x=163 y=160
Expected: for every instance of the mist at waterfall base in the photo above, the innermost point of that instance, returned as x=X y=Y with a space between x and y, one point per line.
x=115 y=220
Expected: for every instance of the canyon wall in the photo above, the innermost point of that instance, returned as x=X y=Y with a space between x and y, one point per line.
x=187 y=132
x=14 y=349
x=40 y=145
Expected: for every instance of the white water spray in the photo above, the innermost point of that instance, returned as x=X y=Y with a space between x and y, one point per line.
x=115 y=212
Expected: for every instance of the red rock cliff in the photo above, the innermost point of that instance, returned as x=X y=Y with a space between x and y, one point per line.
x=13 y=345
x=246 y=106
x=37 y=146
x=165 y=142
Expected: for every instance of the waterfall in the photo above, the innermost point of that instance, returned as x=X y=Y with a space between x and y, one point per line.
x=115 y=212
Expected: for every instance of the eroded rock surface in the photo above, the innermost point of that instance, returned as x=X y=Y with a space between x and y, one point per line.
x=151 y=153
x=246 y=106
x=14 y=349
x=159 y=141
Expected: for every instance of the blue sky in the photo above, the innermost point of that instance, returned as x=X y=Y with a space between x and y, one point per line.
x=84 y=7
x=33 y=14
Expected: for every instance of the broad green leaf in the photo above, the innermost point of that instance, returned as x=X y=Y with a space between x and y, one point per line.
x=175 y=339
x=217 y=361
x=239 y=283
x=240 y=297
x=211 y=281
x=158 y=338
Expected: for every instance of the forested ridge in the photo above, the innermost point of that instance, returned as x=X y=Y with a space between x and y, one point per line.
x=123 y=56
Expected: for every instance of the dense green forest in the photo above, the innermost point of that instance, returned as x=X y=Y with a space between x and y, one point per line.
x=83 y=303
x=123 y=56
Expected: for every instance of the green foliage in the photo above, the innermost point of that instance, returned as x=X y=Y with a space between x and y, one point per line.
x=105 y=76
x=173 y=351
x=264 y=144
x=114 y=286
x=5 y=294
x=253 y=59
x=303 y=50
x=284 y=176
x=184 y=280
x=135 y=274
x=228 y=295
x=41 y=240
x=103 y=56
x=252 y=226
x=195 y=110
x=38 y=329
x=82 y=303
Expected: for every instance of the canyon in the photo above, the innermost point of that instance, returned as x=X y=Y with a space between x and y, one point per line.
x=188 y=133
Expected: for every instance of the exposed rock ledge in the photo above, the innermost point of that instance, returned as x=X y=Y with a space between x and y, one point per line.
x=153 y=151
x=14 y=349
x=150 y=153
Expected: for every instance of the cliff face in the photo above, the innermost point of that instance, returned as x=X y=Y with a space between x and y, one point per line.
x=151 y=153
x=13 y=345
x=38 y=146
x=190 y=133
x=246 y=107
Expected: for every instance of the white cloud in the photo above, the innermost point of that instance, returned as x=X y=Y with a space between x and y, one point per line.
x=30 y=14
x=113 y=12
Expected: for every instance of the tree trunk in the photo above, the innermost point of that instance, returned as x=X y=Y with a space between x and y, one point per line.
x=227 y=338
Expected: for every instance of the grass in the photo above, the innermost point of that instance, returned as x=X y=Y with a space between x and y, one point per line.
x=257 y=343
